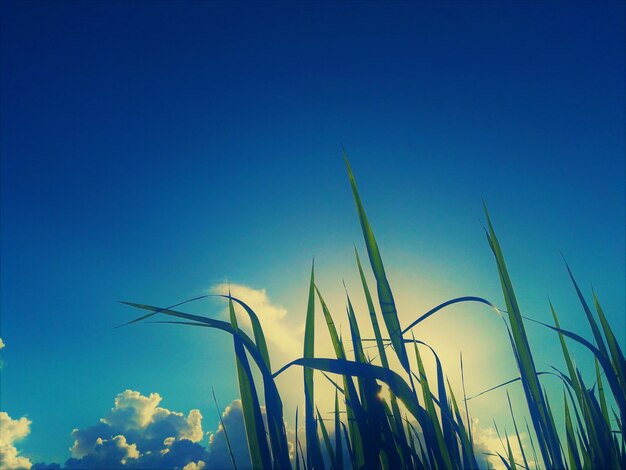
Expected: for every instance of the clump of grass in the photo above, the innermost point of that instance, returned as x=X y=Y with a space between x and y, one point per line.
x=422 y=425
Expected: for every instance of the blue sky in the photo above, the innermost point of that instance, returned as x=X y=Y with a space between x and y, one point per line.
x=151 y=151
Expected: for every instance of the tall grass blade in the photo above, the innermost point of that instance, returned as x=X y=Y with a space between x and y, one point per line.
x=519 y=439
x=338 y=444
x=385 y=296
x=440 y=449
x=257 y=330
x=572 y=448
x=326 y=437
x=397 y=416
x=597 y=336
x=297 y=444
x=252 y=417
x=356 y=414
x=618 y=393
x=546 y=434
x=313 y=452
x=617 y=356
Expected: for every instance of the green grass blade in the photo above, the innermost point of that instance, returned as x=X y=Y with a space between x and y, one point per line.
x=512 y=464
x=546 y=434
x=617 y=356
x=356 y=416
x=447 y=303
x=618 y=393
x=532 y=445
x=338 y=442
x=326 y=437
x=467 y=448
x=601 y=397
x=297 y=444
x=344 y=367
x=377 y=440
x=252 y=417
x=313 y=451
x=441 y=450
x=257 y=330
x=597 y=336
x=399 y=428
x=566 y=355
x=332 y=330
x=355 y=333
x=572 y=448
x=519 y=440
x=273 y=402
x=372 y=311
x=385 y=296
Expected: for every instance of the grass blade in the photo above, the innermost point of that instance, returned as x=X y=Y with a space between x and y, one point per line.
x=219 y=413
x=385 y=296
x=252 y=417
x=313 y=451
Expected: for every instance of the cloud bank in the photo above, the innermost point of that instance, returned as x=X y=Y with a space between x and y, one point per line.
x=137 y=433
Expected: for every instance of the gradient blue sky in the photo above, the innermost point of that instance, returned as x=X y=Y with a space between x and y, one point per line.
x=152 y=150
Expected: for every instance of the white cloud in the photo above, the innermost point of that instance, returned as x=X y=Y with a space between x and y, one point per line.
x=278 y=332
x=1 y=343
x=137 y=433
x=12 y=430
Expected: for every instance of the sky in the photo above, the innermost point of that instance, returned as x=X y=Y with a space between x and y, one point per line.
x=157 y=151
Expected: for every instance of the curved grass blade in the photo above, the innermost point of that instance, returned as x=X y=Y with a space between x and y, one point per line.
x=257 y=330
x=344 y=367
x=447 y=303
x=618 y=393
x=158 y=310
x=273 y=402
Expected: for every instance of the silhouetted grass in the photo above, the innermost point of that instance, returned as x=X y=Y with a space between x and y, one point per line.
x=422 y=425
